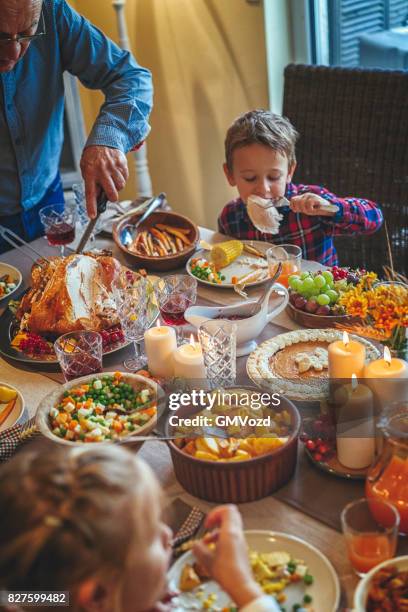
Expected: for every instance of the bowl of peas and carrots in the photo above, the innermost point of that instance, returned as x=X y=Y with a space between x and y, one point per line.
x=100 y=408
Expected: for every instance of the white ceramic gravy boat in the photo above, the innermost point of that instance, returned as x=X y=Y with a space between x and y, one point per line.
x=247 y=329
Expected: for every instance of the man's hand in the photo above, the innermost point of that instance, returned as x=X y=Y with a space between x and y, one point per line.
x=103 y=168
x=310 y=204
x=228 y=564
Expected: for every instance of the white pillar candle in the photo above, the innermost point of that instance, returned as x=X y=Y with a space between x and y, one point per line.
x=388 y=378
x=160 y=344
x=189 y=361
x=355 y=432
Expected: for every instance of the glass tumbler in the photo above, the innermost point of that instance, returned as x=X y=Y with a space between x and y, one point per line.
x=79 y=353
x=218 y=339
x=290 y=256
x=370 y=527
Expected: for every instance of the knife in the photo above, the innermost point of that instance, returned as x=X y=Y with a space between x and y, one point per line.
x=100 y=208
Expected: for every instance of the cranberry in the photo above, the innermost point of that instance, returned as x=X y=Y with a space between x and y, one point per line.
x=318 y=457
x=323 y=449
x=310 y=445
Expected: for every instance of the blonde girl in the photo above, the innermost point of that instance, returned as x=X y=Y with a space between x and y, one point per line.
x=88 y=521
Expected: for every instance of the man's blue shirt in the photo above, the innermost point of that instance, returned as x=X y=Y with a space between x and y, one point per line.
x=32 y=103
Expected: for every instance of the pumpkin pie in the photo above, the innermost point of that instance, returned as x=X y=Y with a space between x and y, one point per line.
x=295 y=364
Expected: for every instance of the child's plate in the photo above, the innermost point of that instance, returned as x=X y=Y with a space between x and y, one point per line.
x=324 y=591
x=6 y=269
x=245 y=264
x=241 y=266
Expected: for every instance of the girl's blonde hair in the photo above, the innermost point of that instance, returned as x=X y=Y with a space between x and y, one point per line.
x=67 y=515
x=261 y=127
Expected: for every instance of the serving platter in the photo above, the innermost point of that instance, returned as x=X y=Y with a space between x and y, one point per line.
x=9 y=326
x=325 y=590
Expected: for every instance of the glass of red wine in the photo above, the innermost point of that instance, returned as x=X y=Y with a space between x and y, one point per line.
x=174 y=294
x=79 y=353
x=59 y=224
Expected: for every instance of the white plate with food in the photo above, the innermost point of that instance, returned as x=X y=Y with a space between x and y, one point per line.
x=316 y=580
x=11 y=406
x=248 y=266
x=10 y=280
x=295 y=363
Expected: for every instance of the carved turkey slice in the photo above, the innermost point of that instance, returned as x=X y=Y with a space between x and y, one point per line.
x=70 y=294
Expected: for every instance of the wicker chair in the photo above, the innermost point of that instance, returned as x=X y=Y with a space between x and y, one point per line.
x=353 y=126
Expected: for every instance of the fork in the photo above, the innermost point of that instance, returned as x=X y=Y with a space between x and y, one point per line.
x=13 y=239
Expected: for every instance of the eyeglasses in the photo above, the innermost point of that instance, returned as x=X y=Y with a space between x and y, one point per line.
x=4 y=39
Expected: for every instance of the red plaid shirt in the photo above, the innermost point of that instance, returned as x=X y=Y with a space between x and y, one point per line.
x=314 y=234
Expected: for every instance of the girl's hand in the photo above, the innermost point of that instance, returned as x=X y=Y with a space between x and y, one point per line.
x=310 y=204
x=228 y=561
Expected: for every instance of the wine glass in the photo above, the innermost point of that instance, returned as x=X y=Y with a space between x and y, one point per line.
x=59 y=224
x=132 y=296
x=174 y=294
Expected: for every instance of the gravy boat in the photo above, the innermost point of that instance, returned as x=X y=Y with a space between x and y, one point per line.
x=248 y=328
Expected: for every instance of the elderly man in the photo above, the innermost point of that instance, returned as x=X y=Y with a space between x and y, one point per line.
x=38 y=41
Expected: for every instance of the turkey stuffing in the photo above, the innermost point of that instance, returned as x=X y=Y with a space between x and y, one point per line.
x=69 y=294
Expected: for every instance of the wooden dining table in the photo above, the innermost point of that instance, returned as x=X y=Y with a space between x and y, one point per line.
x=308 y=507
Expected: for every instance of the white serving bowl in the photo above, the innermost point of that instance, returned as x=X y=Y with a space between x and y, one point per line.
x=247 y=329
x=14 y=273
x=361 y=592
x=17 y=411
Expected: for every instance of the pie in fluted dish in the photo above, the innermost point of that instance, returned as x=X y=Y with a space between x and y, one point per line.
x=296 y=363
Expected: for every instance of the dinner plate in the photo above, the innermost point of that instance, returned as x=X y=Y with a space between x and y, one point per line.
x=14 y=273
x=242 y=265
x=325 y=589
x=17 y=411
x=9 y=326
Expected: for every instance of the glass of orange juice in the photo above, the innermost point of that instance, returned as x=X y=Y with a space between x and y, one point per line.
x=370 y=527
x=290 y=256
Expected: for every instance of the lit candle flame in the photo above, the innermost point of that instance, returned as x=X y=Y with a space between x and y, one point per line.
x=346 y=338
x=157 y=323
x=354 y=382
x=192 y=341
x=387 y=355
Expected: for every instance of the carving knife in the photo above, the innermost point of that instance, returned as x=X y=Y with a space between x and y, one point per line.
x=100 y=208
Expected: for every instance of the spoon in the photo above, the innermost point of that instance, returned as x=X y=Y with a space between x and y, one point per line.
x=128 y=231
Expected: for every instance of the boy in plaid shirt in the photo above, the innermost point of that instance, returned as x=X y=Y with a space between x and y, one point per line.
x=260 y=160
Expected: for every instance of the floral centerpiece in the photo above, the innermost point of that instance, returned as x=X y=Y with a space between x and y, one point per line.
x=382 y=307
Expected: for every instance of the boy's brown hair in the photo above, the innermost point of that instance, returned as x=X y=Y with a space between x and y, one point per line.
x=261 y=127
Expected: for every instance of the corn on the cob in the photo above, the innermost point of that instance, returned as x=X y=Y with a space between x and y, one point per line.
x=224 y=253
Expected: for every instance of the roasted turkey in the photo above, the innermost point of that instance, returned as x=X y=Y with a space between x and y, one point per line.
x=69 y=294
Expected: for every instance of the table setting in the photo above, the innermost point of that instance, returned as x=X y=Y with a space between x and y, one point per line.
x=241 y=373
